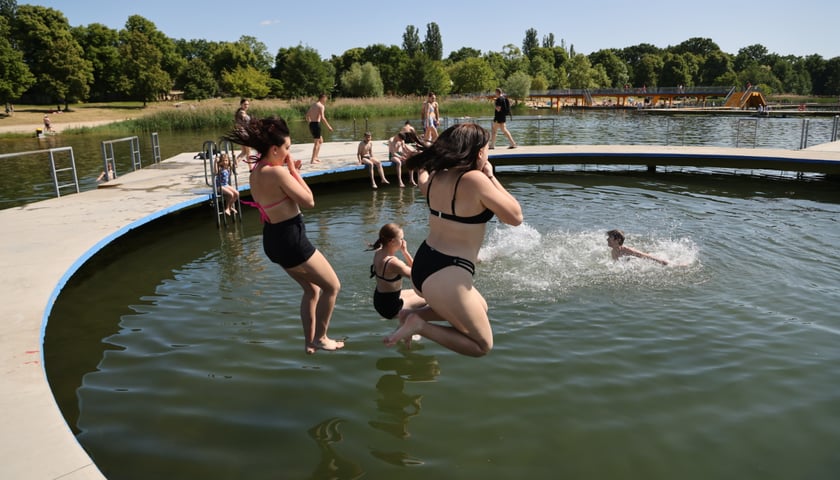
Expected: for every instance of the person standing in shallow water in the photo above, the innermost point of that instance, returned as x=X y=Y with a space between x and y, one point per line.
x=279 y=192
x=462 y=194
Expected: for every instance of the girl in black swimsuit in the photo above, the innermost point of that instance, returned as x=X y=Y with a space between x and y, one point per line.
x=389 y=297
x=456 y=176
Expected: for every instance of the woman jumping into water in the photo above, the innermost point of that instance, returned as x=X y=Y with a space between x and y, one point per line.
x=279 y=192
x=462 y=194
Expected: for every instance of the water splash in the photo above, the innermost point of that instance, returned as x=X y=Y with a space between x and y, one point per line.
x=525 y=263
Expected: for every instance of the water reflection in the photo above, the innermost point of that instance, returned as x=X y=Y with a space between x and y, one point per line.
x=395 y=405
x=333 y=465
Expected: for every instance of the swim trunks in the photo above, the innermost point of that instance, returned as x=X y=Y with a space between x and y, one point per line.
x=427 y=261
x=286 y=244
x=315 y=129
x=387 y=304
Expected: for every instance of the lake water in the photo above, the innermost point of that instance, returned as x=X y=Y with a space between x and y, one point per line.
x=177 y=353
x=31 y=179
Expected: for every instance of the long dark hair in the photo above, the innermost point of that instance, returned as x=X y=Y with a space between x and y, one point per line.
x=260 y=134
x=456 y=147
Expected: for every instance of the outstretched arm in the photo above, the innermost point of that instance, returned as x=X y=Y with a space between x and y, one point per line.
x=637 y=253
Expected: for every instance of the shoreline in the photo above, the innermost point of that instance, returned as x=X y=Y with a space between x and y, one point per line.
x=57 y=127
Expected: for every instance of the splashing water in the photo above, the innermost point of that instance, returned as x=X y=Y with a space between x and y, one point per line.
x=523 y=262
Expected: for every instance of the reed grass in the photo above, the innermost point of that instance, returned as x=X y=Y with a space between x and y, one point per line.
x=219 y=115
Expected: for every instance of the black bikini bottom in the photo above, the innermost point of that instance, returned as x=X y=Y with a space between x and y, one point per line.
x=427 y=261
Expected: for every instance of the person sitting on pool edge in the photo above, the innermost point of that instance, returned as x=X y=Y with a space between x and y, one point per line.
x=615 y=240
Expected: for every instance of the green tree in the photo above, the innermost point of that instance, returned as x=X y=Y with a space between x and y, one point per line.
x=751 y=55
x=539 y=83
x=581 y=73
x=832 y=82
x=144 y=79
x=8 y=8
x=472 y=75
x=362 y=81
x=436 y=78
x=714 y=69
x=615 y=67
x=646 y=72
x=760 y=75
x=541 y=66
x=303 y=73
x=53 y=55
x=101 y=46
x=675 y=71
x=548 y=41
x=433 y=43
x=411 y=41
x=518 y=85
x=562 y=77
x=509 y=60
x=697 y=46
x=391 y=62
x=171 y=62
x=245 y=52
x=793 y=75
x=198 y=80
x=346 y=60
x=817 y=69
x=15 y=77
x=245 y=81
x=463 y=53
x=530 y=42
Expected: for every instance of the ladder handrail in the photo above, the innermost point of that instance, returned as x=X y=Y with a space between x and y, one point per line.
x=110 y=161
x=53 y=170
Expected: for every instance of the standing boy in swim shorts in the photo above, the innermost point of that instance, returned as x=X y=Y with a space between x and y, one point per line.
x=315 y=115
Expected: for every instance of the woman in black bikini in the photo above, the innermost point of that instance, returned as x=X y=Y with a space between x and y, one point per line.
x=389 y=297
x=279 y=192
x=455 y=176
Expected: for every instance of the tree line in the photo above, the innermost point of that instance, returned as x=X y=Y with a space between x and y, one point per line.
x=47 y=61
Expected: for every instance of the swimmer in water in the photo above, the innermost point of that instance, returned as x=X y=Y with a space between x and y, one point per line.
x=615 y=240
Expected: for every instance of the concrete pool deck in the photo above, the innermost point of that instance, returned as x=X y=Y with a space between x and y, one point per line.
x=48 y=241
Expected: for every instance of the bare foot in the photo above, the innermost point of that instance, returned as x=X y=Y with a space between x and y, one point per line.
x=412 y=324
x=402 y=185
x=227 y=211
x=325 y=344
x=374 y=186
x=233 y=210
x=315 y=160
x=386 y=182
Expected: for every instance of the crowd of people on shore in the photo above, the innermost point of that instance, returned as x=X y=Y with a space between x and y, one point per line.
x=453 y=172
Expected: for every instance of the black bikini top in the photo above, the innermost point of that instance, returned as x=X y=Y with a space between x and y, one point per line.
x=482 y=217
x=384 y=267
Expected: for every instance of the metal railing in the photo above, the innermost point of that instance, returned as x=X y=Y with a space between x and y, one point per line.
x=210 y=153
x=109 y=158
x=58 y=173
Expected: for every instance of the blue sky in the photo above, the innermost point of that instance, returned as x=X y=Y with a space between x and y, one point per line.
x=331 y=27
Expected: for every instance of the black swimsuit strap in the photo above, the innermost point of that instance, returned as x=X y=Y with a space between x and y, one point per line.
x=454 y=193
